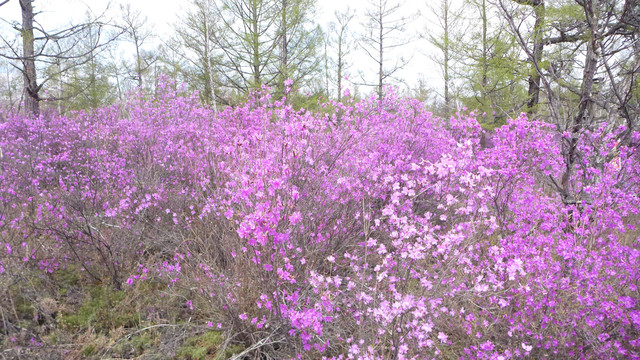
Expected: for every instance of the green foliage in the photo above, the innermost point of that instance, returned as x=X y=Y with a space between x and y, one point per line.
x=101 y=312
x=67 y=278
x=564 y=11
x=142 y=342
x=137 y=345
x=89 y=350
x=87 y=87
x=496 y=85
x=24 y=308
x=198 y=347
x=309 y=102
x=72 y=311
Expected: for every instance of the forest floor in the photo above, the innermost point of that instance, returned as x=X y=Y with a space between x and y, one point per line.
x=62 y=316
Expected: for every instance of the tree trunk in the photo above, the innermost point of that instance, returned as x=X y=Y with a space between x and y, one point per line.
x=138 y=61
x=538 y=47
x=255 y=45
x=381 y=58
x=585 y=108
x=31 y=99
x=284 y=46
x=445 y=51
x=484 y=82
x=208 y=67
x=326 y=67
x=340 y=68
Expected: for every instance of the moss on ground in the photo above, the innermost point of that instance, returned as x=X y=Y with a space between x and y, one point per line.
x=101 y=312
x=75 y=318
x=206 y=346
x=136 y=345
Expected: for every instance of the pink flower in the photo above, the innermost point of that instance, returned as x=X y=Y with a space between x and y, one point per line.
x=442 y=337
x=295 y=218
x=487 y=346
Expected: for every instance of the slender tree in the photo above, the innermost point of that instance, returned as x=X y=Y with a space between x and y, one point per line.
x=298 y=41
x=341 y=42
x=196 y=34
x=86 y=85
x=536 y=50
x=489 y=66
x=10 y=79
x=31 y=87
x=136 y=31
x=447 y=20
x=385 y=31
x=246 y=38
x=40 y=46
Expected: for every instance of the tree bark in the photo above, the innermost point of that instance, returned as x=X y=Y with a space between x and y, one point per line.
x=284 y=46
x=340 y=68
x=208 y=66
x=31 y=98
x=538 y=47
x=584 y=114
x=138 y=61
x=255 y=45
x=381 y=56
x=446 y=55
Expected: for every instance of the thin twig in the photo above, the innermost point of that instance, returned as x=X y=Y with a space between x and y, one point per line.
x=259 y=344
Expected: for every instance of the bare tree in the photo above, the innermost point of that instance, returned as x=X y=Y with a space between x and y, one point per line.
x=10 y=83
x=384 y=27
x=40 y=46
x=88 y=84
x=136 y=31
x=338 y=37
x=31 y=88
x=605 y=35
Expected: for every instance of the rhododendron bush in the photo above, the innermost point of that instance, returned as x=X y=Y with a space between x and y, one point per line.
x=368 y=230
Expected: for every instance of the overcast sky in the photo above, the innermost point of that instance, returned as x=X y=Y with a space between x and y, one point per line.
x=162 y=14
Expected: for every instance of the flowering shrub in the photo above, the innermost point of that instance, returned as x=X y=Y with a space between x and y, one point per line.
x=371 y=230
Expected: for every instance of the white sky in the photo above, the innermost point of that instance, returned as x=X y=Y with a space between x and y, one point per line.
x=161 y=14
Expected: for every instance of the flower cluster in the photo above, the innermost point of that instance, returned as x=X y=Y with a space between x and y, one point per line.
x=369 y=230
